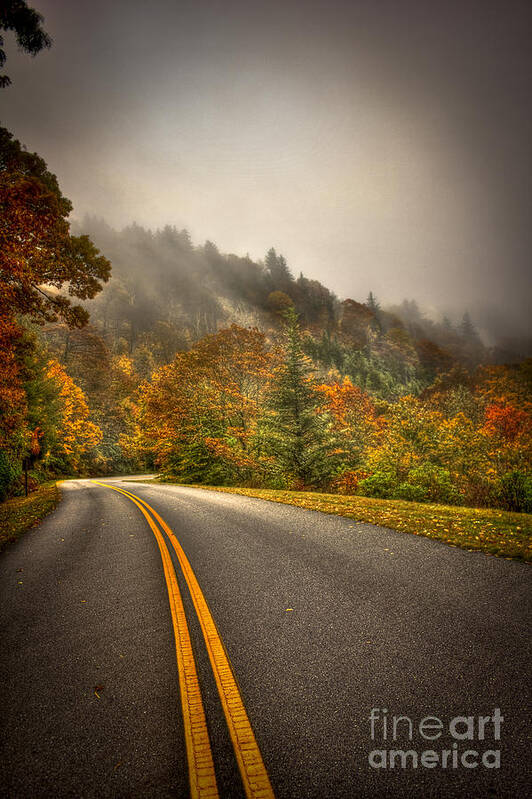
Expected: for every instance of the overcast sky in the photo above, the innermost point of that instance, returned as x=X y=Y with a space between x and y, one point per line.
x=378 y=144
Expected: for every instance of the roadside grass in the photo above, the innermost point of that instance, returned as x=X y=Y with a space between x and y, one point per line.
x=496 y=532
x=20 y=513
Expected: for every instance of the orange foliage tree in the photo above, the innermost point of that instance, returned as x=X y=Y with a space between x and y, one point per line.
x=38 y=256
x=506 y=396
x=355 y=429
x=197 y=416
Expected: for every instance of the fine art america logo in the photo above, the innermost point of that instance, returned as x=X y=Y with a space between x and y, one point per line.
x=470 y=741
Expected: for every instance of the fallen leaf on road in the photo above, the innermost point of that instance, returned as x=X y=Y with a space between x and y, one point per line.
x=287 y=609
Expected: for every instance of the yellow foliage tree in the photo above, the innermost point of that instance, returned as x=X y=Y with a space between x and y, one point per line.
x=76 y=434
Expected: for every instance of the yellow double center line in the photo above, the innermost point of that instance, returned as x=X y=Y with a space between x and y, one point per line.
x=200 y=762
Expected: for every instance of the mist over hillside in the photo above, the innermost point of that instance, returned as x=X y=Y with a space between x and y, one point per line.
x=166 y=292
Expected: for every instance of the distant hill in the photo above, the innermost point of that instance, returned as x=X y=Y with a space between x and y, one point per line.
x=165 y=293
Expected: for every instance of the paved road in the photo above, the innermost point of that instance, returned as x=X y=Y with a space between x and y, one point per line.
x=90 y=696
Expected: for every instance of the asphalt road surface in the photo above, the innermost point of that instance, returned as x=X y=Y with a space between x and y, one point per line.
x=322 y=620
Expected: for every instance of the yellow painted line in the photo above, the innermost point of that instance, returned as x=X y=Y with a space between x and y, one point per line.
x=199 y=755
x=252 y=769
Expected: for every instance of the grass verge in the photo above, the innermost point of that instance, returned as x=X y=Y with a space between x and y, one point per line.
x=496 y=532
x=20 y=513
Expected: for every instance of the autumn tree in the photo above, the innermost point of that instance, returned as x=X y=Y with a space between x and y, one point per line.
x=505 y=394
x=75 y=434
x=197 y=415
x=42 y=266
x=432 y=358
x=355 y=323
x=356 y=427
x=278 y=301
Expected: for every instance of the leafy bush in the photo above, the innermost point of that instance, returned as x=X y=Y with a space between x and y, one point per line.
x=412 y=493
x=8 y=475
x=515 y=492
x=434 y=483
x=380 y=485
x=276 y=481
x=18 y=487
x=57 y=464
x=480 y=491
x=194 y=462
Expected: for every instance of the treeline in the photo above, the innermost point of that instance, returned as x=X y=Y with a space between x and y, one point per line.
x=166 y=293
x=237 y=409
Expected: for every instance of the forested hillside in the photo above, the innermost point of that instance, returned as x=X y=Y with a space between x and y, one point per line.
x=219 y=369
x=166 y=293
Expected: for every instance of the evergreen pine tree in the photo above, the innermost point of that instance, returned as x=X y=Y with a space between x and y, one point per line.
x=447 y=324
x=373 y=303
x=278 y=271
x=467 y=328
x=294 y=431
x=473 y=349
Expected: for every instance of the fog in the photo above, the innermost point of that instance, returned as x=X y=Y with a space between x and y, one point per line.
x=378 y=145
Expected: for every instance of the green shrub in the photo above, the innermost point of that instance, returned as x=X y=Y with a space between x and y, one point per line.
x=8 y=475
x=276 y=481
x=435 y=483
x=56 y=464
x=380 y=485
x=515 y=492
x=411 y=493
